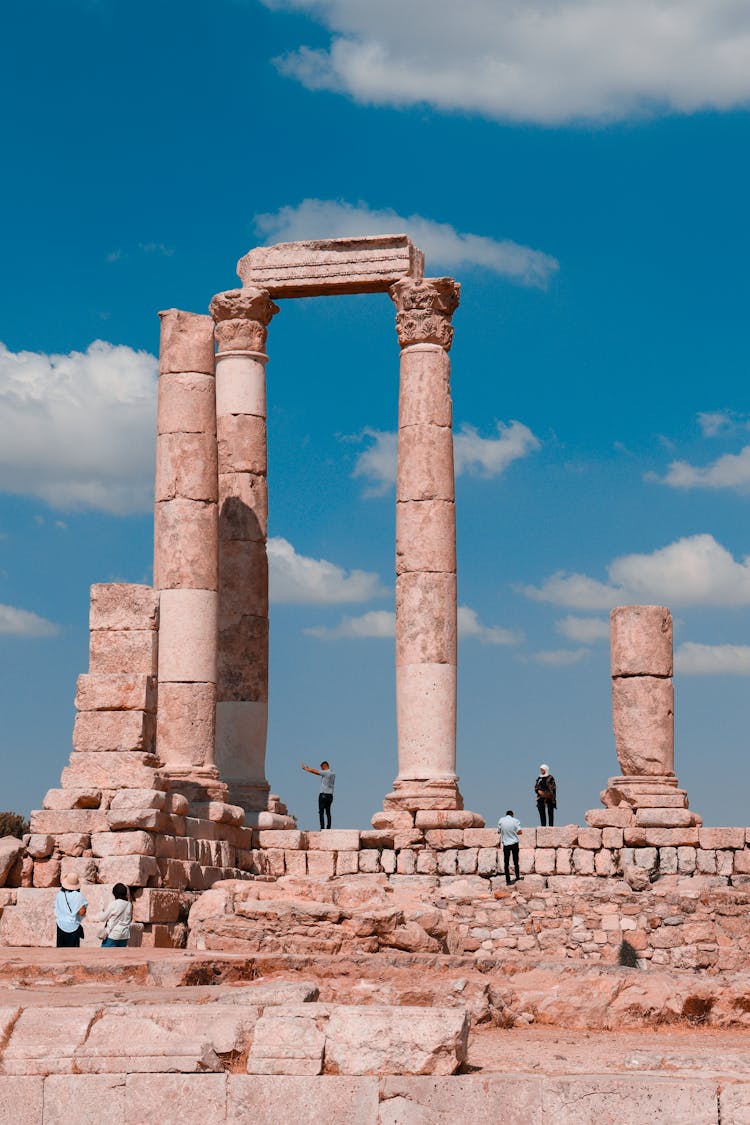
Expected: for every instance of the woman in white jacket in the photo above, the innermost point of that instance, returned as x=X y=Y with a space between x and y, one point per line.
x=117 y=918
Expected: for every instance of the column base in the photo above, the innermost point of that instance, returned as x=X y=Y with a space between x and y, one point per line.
x=198 y=785
x=419 y=801
x=645 y=801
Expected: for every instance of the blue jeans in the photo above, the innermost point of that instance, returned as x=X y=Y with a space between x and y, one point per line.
x=110 y=943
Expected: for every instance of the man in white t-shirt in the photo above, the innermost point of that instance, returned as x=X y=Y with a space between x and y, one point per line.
x=510 y=830
x=325 y=797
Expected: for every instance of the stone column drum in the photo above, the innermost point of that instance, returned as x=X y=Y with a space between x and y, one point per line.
x=426 y=654
x=186 y=552
x=242 y=317
x=643 y=720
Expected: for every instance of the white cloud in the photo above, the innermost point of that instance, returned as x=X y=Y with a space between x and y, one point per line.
x=22 y=623
x=470 y=626
x=491 y=456
x=443 y=245
x=378 y=462
x=712 y=423
x=296 y=579
x=79 y=429
x=382 y=623
x=695 y=571
x=585 y=630
x=560 y=657
x=693 y=659
x=472 y=453
x=730 y=471
x=531 y=60
x=376 y=623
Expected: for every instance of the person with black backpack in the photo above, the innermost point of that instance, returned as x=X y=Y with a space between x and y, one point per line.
x=545 y=789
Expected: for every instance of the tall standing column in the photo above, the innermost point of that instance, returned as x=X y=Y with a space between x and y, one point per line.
x=242 y=317
x=426 y=556
x=186 y=554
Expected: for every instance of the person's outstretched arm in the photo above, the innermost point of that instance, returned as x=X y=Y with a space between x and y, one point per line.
x=309 y=769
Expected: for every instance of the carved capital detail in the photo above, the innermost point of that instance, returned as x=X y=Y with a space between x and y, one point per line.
x=424 y=309
x=242 y=317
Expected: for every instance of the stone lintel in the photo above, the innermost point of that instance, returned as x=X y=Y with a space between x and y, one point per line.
x=331 y=266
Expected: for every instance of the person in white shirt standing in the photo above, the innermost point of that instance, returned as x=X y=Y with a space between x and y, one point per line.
x=510 y=830
x=325 y=797
x=116 y=918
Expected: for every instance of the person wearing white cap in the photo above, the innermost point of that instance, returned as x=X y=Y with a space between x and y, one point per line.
x=545 y=789
x=70 y=908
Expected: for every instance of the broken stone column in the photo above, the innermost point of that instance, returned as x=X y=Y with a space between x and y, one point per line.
x=186 y=555
x=242 y=317
x=426 y=625
x=646 y=793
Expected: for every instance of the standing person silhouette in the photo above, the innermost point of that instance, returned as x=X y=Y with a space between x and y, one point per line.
x=325 y=797
x=545 y=788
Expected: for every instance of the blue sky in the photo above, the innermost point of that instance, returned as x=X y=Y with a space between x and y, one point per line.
x=582 y=169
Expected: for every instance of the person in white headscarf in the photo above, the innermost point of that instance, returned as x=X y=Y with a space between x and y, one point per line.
x=545 y=789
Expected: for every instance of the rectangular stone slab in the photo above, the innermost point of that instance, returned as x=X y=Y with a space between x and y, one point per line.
x=333 y=265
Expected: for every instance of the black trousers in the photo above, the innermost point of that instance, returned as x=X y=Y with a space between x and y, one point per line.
x=508 y=851
x=325 y=800
x=68 y=941
x=550 y=809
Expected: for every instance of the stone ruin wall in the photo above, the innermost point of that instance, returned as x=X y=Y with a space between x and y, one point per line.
x=166 y=787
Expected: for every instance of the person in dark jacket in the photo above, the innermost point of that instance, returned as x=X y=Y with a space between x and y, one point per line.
x=545 y=789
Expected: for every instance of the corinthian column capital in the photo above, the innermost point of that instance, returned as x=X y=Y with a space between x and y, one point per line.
x=242 y=317
x=424 y=309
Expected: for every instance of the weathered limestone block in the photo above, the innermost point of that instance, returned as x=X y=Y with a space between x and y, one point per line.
x=219 y=812
x=96 y=731
x=327 y=266
x=289 y=1040
x=242 y=444
x=123 y=605
x=425 y=536
x=138 y=799
x=187 y=342
x=661 y=837
x=243 y=512
x=641 y=640
x=287 y=839
x=186 y=403
x=563 y=837
x=643 y=720
x=442 y=838
x=424 y=387
x=22 y=1099
x=183 y=527
x=40 y=846
x=426 y=616
x=447 y=818
x=186 y=467
x=47 y=872
x=621 y=817
x=123 y=650
x=110 y=771
x=72 y=843
x=84 y=1095
x=243 y=570
x=721 y=837
x=583 y=861
x=187 y=719
x=544 y=861
x=133 y=843
x=132 y=870
x=666 y=818
x=334 y=839
x=612 y=838
x=425 y=463
x=48 y=822
x=347 y=863
x=629 y=1098
x=590 y=838
x=127 y=691
x=256 y=1098
x=10 y=850
x=324 y=863
x=72 y=799
x=239 y=678
x=187 y=648
x=385 y=1040
x=44 y=1039
x=486 y=837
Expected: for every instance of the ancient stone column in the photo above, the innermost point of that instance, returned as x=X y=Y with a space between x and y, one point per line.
x=426 y=555
x=241 y=317
x=646 y=793
x=186 y=554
